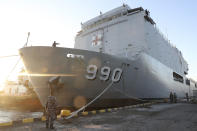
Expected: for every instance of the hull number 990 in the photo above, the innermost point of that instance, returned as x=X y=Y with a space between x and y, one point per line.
x=105 y=73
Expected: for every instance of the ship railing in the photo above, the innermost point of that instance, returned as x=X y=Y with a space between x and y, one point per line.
x=164 y=36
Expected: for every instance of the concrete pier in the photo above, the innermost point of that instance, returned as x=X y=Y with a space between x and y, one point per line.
x=162 y=117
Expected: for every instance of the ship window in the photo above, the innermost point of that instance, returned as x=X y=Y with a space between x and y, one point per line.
x=177 y=77
x=185 y=73
x=187 y=82
x=136 y=9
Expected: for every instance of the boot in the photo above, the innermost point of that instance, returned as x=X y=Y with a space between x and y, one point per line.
x=47 y=124
x=51 y=126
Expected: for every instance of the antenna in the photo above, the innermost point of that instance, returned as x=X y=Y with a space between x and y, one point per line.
x=27 y=39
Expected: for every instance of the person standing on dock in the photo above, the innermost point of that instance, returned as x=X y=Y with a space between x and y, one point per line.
x=51 y=107
x=187 y=97
x=171 y=97
x=175 y=98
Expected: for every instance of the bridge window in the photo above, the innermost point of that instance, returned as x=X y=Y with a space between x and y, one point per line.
x=187 y=82
x=177 y=77
x=99 y=22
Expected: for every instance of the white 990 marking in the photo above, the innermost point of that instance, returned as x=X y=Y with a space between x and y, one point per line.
x=105 y=73
x=92 y=70
x=116 y=74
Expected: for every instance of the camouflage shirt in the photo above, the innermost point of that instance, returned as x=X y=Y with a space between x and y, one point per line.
x=51 y=104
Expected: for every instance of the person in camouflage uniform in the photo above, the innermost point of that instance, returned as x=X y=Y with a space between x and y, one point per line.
x=171 y=97
x=51 y=107
x=187 y=97
x=175 y=98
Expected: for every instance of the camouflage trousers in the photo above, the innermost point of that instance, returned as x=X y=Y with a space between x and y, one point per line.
x=50 y=118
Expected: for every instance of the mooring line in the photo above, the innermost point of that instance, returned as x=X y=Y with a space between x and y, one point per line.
x=13 y=68
x=125 y=94
x=82 y=108
x=8 y=56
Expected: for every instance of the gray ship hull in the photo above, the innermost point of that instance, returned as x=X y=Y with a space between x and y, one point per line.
x=143 y=78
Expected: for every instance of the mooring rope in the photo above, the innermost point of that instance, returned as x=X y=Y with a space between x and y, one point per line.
x=98 y=96
x=8 y=56
x=15 y=55
x=125 y=94
x=82 y=108
x=14 y=65
x=13 y=68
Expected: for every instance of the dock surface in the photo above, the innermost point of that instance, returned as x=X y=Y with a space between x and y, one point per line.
x=159 y=117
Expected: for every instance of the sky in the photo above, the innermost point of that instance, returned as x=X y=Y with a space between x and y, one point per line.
x=59 y=20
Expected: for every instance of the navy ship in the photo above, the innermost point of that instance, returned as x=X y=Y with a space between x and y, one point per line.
x=121 y=48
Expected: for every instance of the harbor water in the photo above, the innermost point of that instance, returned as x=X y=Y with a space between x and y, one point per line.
x=7 y=115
